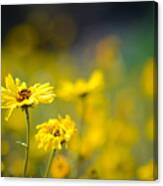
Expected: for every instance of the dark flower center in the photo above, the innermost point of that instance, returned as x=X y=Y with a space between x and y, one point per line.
x=63 y=142
x=84 y=94
x=57 y=133
x=23 y=94
x=60 y=166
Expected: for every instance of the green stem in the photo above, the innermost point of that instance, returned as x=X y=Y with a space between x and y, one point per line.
x=27 y=141
x=49 y=163
x=81 y=129
x=83 y=111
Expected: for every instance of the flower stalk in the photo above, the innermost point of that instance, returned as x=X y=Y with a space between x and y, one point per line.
x=27 y=141
x=52 y=154
x=83 y=112
x=81 y=129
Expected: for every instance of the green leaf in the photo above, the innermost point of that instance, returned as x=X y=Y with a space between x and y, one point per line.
x=21 y=143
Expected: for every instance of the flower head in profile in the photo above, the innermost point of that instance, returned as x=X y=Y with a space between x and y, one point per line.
x=17 y=94
x=81 y=88
x=55 y=133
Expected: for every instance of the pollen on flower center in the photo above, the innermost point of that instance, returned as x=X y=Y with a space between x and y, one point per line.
x=24 y=94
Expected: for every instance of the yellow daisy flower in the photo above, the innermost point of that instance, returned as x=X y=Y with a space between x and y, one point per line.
x=18 y=95
x=81 y=88
x=60 y=167
x=55 y=133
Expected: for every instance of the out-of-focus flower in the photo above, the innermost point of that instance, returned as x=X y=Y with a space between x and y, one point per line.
x=17 y=94
x=147 y=171
x=60 y=167
x=5 y=147
x=115 y=162
x=94 y=105
x=91 y=173
x=124 y=134
x=16 y=168
x=93 y=139
x=21 y=40
x=55 y=133
x=148 y=77
x=81 y=88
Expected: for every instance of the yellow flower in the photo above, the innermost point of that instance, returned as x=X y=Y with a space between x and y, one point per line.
x=148 y=77
x=60 y=167
x=81 y=88
x=5 y=148
x=115 y=162
x=16 y=169
x=124 y=133
x=55 y=133
x=17 y=94
x=147 y=171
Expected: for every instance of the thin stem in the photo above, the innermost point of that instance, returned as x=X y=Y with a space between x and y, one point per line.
x=83 y=111
x=27 y=141
x=81 y=129
x=49 y=163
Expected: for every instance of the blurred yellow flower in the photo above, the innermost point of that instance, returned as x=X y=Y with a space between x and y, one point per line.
x=16 y=168
x=124 y=133
x=21 y=40
x=17 y=94
x=55 y=133
x=94 y=137
x=91 y=173
x=115 y=162
x=148 y=77
x=5 y=148
x=60 y=167
x=147 y=171
x=81 y=88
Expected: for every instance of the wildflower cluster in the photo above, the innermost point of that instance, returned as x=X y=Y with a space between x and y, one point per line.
x=52 y=135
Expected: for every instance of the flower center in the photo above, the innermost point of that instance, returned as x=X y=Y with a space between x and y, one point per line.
x=23 y=94
x=63 y=142
x=57 y=133
x=83 y=95
x=60 y=166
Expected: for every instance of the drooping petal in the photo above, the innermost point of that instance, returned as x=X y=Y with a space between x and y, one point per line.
x=10 y=111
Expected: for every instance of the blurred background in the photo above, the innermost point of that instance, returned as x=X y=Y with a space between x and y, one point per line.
x=56 y=42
